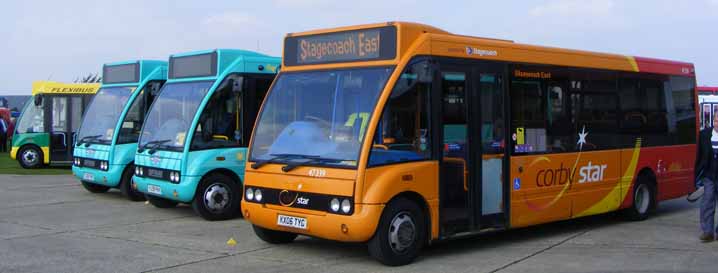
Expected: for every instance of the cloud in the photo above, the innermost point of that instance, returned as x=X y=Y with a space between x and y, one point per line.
x=574 y=8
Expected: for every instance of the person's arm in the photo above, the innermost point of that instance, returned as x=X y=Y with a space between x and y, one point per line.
x=699 y=157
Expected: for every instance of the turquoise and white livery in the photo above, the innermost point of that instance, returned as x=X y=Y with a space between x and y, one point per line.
x=107 y=140
x=192 y=148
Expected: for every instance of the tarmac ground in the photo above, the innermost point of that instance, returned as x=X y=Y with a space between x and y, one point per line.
x=51 y=224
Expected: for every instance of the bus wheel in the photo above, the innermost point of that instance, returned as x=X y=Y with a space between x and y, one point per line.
x=160 y=202
x=30 y=157
x=94 y=188
x=126 y=185
x=217 y=198
x=644 y=200
x=400 y=235
x=274 y=236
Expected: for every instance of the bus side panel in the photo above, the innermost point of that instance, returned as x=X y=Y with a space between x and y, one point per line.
x=202 y=162
x=42 y=140
x=673 y=168
x=385 y=182
x=596 y=182
x=540 y=186
x=675 y=178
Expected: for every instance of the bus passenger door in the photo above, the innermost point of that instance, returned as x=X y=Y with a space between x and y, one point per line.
x=60 y=132
x=489 y=120
x=455 y=164
x=473 y=159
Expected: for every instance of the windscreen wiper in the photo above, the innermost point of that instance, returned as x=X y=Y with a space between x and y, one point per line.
x=293 y=165
x=277 y=157
x=87 y=144
x=155 y=144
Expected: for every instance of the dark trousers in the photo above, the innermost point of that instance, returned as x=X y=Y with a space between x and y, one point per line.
x=708 y=206
x=3 y=143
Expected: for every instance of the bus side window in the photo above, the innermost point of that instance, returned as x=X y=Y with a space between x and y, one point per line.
x=403 y=134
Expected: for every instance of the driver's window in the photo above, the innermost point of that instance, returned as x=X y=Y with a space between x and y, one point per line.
x=220 y=124
x=403 y=133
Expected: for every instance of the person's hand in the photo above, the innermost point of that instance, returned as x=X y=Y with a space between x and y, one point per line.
x=699 y=182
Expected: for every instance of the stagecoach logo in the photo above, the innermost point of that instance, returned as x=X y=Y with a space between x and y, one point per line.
x=480 y=52
x=287 y=198
x=155 y=160
x=90 y=152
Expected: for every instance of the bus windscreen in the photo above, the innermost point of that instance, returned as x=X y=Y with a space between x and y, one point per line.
x=204 y=65
x=347 y=46
x=125 y=73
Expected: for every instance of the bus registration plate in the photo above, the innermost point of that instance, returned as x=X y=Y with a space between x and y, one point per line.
x=290 y=221
x=154 y=189
x=88 y=177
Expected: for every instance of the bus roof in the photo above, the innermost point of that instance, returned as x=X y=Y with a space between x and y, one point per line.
x=419 y=39
x=49 y=87
x=218 y=61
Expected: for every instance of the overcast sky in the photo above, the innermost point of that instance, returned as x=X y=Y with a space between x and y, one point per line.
x=61 y=40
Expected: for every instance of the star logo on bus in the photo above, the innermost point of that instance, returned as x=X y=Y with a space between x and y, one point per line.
x=582 y=138
x=155 y=160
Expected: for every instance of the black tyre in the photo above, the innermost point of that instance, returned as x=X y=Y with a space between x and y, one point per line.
x=126 y=185
x=274 y=236
x=95 y=188
x=30 y=157
x=218 y=197
x=400 y=235
x=160 y=202
x=644 y=199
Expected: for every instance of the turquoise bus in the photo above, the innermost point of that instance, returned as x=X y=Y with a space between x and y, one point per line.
x=107 y=140
x=192 y=147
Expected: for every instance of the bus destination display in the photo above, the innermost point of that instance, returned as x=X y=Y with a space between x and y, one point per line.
x=348 y=46
x=203 y=65
x=124 y=73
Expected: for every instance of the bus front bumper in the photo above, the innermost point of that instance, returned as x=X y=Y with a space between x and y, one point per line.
x=359 y=227
x=182 y=192
x=13 y=152
x=110 y=178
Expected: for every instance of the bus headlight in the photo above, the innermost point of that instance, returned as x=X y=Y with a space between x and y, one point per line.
x=258 y=195
x=103 y=166
x=334 y=205
x=249 y=194
x=174 y=176
x=346 y=206
x=142 y=171
x=137 y=170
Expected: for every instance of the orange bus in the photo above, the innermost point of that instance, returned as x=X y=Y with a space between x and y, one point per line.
x=400 y=134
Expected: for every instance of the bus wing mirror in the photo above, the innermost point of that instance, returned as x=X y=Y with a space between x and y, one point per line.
x=425 y=72
x=237 y=85
x=155 y=88
x=38 y=100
